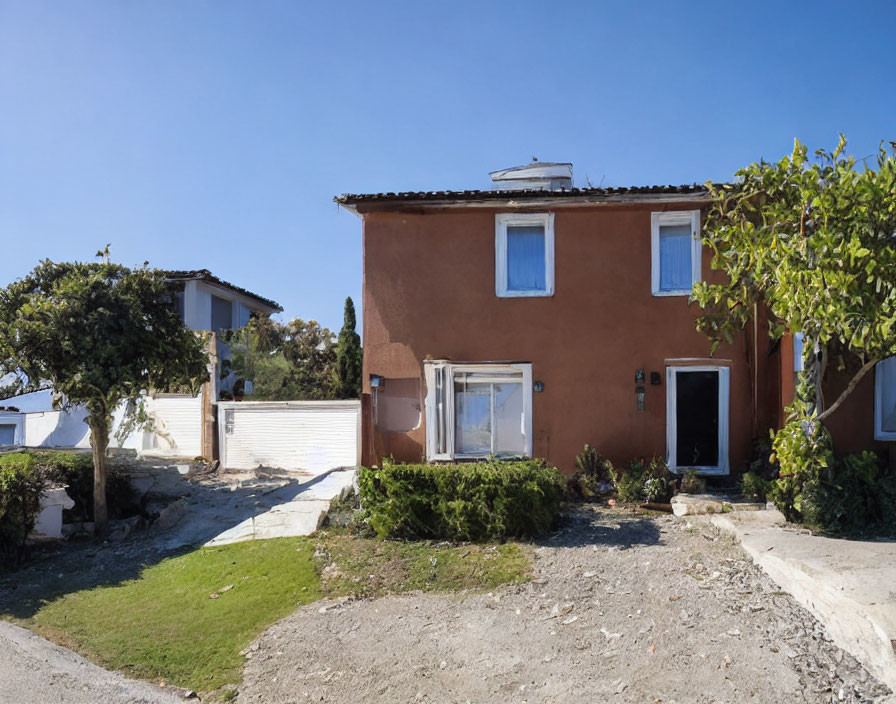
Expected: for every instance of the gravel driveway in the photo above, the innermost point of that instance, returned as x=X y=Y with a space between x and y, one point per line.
x=621 y=609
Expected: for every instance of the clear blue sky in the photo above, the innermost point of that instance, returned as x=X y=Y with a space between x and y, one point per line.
x=214 y=134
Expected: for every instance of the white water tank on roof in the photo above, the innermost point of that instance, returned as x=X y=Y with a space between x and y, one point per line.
x=538 y=175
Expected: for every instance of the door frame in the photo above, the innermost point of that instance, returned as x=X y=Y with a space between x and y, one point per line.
x=724 y=373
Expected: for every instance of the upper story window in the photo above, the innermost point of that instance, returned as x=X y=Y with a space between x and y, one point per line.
x=885 y=400
x=222 y=313
x=179 y=306
x=245 y=316
x=524 y=254
x=675 y=252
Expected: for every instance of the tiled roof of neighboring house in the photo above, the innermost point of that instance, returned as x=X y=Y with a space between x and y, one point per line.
x=596 y=194
x=206 y=275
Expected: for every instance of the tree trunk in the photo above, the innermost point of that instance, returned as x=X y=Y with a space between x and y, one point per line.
x=99 y=440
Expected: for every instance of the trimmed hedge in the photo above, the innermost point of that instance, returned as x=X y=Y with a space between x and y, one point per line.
x=491 y=500
x=21 y=486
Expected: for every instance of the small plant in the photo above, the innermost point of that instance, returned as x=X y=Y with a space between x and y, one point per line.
x=593 y=478
x=21 y=486
x=754 y=486
x=644 y=479
x=691 y=483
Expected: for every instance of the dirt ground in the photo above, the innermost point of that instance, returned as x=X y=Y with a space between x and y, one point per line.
x=621 y=608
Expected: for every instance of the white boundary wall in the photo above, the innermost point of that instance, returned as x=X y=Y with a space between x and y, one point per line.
x=177 y=432
x=309 y=436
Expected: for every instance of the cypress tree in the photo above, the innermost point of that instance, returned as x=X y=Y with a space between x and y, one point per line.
x=348 y=355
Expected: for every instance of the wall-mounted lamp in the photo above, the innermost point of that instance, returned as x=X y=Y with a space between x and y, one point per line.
x=639 y=376
x=538 y=387
x=640 y=394
x=376 y=381
x=655 y=378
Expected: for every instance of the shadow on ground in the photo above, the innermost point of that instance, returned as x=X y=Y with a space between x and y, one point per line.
x=583 y=525
x=209 y=506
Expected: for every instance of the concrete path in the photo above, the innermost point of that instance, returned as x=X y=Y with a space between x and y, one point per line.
x=35 y=671
x=849 y=585
x=300 y=515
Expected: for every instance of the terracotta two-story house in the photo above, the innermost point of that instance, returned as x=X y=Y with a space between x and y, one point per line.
x=534 y=317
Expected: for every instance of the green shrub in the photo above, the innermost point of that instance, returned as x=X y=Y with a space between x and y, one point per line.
x=491 y=500
x=21 y=486
x=594 y=473
x=854 y=494
x=752 y=485
x=75 y=471
x=802 y=449
x=848 y=494
x=645 y=480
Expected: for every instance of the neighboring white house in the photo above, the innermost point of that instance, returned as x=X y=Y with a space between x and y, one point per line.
x=205 y=302
x=209 y=303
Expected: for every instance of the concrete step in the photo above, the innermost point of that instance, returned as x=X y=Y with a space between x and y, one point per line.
x=699 y=504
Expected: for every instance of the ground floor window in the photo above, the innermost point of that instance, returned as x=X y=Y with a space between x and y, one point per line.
x=477 y=410
x=697 y=418
x=885 y=400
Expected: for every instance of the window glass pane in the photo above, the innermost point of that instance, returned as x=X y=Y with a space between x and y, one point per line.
x=525 y=258
x=675 y=257
x=509 y=419
x=472 y=419
x=245 y=315
x=222 y=314
x=179 y=305
x=887 y=369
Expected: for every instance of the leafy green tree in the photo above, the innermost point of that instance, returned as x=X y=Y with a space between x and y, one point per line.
x=284 y=362
x=811 y=241
x=348 y=355
x=97 y=334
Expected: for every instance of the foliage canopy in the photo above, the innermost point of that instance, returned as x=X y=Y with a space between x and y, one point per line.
x=348 y=355
x=294 y=361
x=97 y=334
x=812 y=240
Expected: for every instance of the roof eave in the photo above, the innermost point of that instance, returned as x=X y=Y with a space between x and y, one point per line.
x=359 y=206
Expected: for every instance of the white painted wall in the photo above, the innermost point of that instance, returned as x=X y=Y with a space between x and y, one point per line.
x=56 y=429
x=178 y=419
x=178 y=425
x=310 y=436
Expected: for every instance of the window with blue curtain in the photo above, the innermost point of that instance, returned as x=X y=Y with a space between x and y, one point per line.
x=675 y=258
x=525 y=258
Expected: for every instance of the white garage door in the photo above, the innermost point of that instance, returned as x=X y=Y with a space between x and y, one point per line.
x=310 y=436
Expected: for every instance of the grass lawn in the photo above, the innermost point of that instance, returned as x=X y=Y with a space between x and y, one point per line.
x=166 y=624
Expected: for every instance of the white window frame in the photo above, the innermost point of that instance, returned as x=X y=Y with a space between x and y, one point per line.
x=672 y=420
x=432 y=370
x=675 y=217
x=879 y=432
x=502 y=222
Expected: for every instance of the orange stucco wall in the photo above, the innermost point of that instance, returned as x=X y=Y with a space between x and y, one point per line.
x=429 y=291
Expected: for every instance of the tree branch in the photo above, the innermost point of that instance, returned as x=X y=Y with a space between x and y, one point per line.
x=848 y=390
